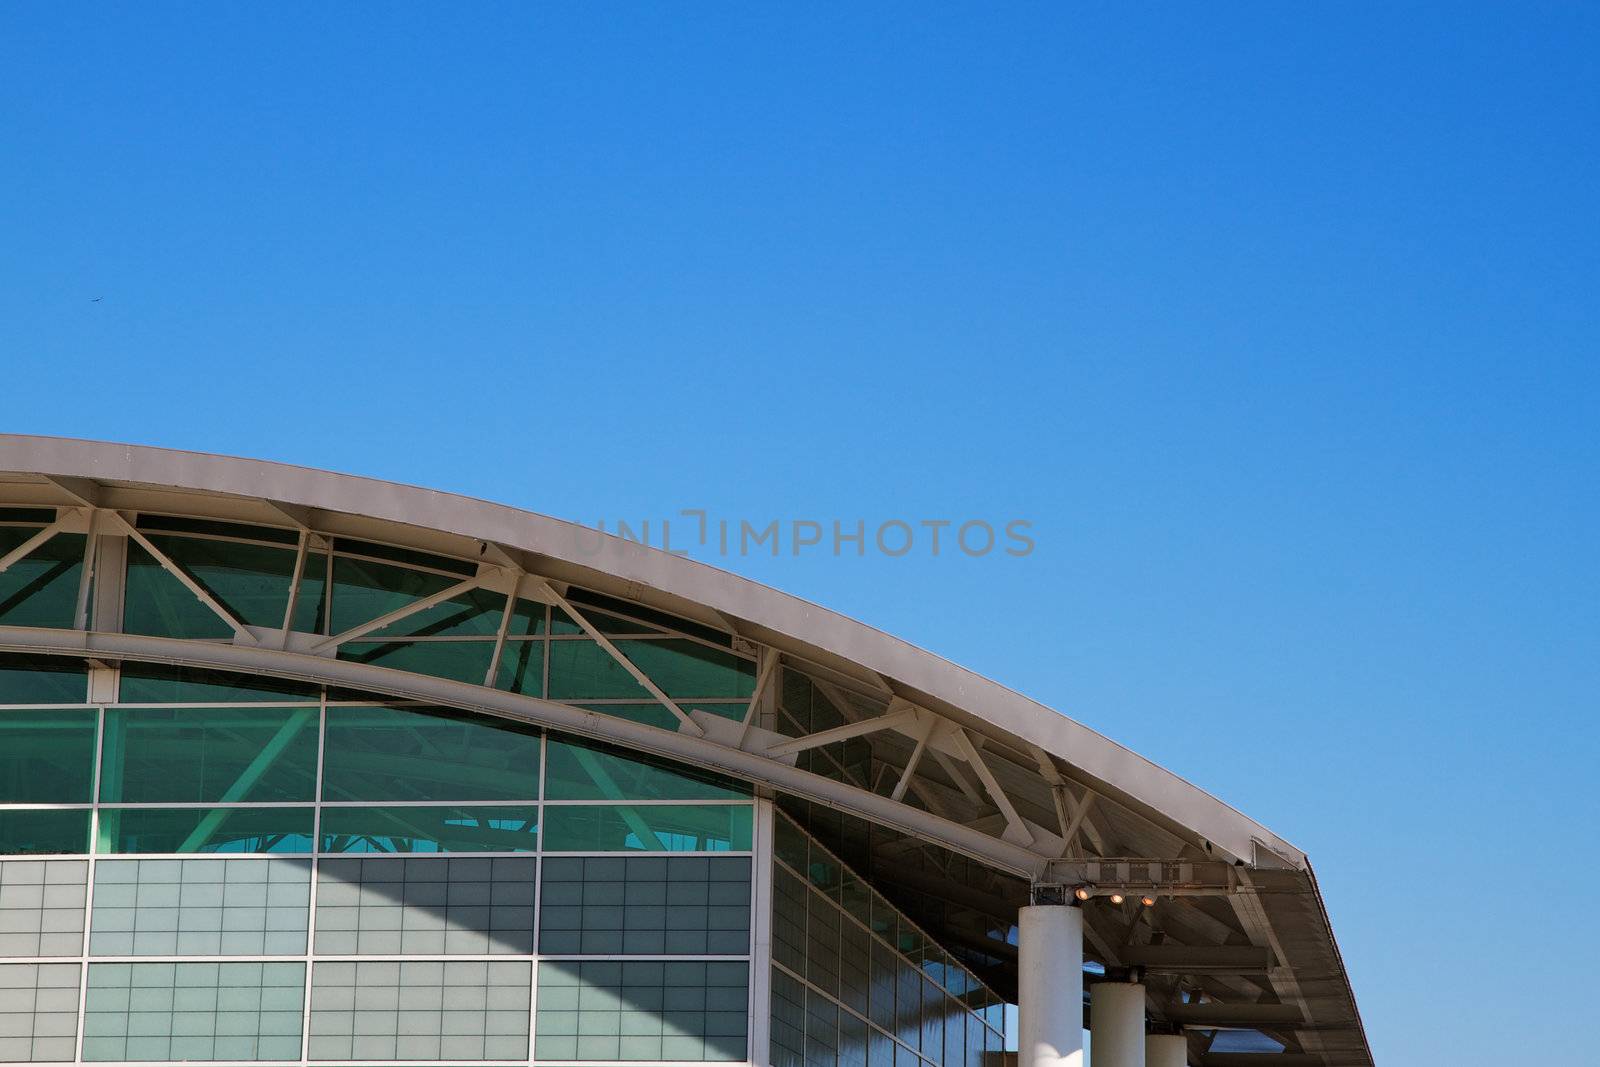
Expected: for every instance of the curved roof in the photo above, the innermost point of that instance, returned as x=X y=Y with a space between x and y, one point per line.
x=1029 y=783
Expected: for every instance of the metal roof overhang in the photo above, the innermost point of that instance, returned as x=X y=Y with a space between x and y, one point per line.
x=1241 y=887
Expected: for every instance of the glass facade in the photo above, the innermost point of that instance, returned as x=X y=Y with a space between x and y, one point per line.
x=228 y=869
x=857 y=984
x=203 y=866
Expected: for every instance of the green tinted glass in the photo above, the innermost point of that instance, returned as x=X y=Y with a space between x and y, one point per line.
x=587 y=601
x=522 y=668
x=430 y=829
x=649 y=714
x=41 y=589
x=40 y=833
x=562 y=623
x=577 y=771
x=789 y=843
x=461 y=661
x=149 y=683
x=427 y=754
x=649 y=827
x=47 y=757
x=205 y=830
x=209 y=755
x=151 y=523
x=687 y=669
x=251 y=581
x=42 y=680
x=656 y=714
x=582 y=670
x=475 y=613
x=364 y=590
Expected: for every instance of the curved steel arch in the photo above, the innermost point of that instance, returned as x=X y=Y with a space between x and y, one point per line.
x=538 y=711
x=769 y=615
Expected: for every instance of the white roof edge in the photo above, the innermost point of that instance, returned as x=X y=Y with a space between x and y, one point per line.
x=1097 y=756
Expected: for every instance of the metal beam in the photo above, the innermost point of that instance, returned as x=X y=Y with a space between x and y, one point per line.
x=683 y=746
x=1247 y=905
x=1137 y=874
x=504 y=628
x=685 y=724
x=891 y=721
x=769 y=669
x=1226 y=1014
x=924 y=732
x=22 y=550
x=302 y=543
x=298 y=720
x=1016 y=829
x=1199 y=959
x=241 y=632
x=356 y=632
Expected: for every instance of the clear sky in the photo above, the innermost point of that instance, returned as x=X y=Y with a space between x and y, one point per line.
x=1277 y=322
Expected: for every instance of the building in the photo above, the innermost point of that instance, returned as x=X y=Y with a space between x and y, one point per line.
x=303 y=768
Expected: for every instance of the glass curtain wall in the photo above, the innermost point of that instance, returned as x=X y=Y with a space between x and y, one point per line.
x=857 y=984
x=230 y=868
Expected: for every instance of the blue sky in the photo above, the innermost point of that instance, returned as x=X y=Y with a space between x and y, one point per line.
x=1278 y=324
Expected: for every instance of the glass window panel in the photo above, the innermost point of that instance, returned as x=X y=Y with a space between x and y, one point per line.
x=47 y=757
x=521 y=668
x=209 y=755
x=430 y=829
x=933 y=1008
x=853 y=1041
x=461 y=661
x=251 y=581
x=882 y=994
x=41 y=589
x=34 y=516
x=528 y=619
x=150 y=683
x=427 y=754
x=184 y=830
x=364 y=590
x=880 y=1051
x=579 y=771
x=652 y=714
x=856 y=898
x=687 y=669
x=884 y=918
x=788 y=1021
x=39 y=833
x=42 y=680
x=908 y=1002
x=238 y=530
x=655 y=827
x=582 y=670
x=562 y=624
x=406 y=556
x=475 y=613
x=584 y=600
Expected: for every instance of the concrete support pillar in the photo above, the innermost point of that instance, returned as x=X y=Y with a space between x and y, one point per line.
x=1166 y=1050
x=1050 y=986
x=1116 y=1024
